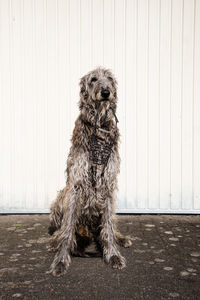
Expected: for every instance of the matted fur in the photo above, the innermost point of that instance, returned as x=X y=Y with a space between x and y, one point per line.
x=83 y=213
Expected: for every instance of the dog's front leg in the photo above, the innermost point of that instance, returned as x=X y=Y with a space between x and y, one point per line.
x=107 y=236
x=65 y=236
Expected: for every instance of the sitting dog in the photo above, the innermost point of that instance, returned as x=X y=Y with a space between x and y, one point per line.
x=84 y=210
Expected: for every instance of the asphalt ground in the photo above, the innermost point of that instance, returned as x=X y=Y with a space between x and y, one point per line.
x=163 y=262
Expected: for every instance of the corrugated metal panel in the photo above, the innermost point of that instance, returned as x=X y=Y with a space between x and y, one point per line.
x=152 y=46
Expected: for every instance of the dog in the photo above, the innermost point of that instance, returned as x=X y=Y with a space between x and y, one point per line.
x=84 y=211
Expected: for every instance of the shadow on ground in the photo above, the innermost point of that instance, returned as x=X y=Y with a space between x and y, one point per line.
x=163 y=263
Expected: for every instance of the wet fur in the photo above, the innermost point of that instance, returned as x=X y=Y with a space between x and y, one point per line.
x=82 y=213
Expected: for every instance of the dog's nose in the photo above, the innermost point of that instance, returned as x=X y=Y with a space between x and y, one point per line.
x=105 y=93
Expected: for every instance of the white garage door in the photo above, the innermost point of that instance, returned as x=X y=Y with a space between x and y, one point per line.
x=152 y=46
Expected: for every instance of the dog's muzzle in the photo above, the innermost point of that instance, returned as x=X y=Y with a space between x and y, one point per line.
x=105 y=93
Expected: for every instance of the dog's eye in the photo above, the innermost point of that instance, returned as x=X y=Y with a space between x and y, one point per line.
x=110 y=78
x=93 y=79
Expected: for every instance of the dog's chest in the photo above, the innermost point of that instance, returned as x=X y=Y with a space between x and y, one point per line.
x=100 y=149
x=94 y=200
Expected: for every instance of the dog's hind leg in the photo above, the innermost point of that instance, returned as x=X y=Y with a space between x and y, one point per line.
x=56 y=217
x=56 y=214
x=64 y=239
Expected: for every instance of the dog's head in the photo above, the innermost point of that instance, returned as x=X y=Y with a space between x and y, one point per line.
x=98 y=90
x=98 y=85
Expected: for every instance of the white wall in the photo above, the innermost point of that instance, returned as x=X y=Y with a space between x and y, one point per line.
x=153 y=47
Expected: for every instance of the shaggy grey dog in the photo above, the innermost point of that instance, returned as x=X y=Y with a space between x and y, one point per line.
x=84 y=210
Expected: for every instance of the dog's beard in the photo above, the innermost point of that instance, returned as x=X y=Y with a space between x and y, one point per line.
x=103 y=109
x=97 y=111
x=103 y=112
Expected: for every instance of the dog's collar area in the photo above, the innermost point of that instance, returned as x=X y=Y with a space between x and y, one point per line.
x=96 y=127
x=107 y=131
x=103 y=130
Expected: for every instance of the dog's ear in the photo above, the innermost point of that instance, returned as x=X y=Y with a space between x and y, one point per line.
x=83 y=89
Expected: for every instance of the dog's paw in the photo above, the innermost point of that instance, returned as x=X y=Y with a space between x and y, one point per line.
x=126 y=243
x=117 y=262
x=51 y=249
x=60 y=265
x=59 y=269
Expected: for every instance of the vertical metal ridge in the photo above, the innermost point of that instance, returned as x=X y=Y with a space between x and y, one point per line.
x=46 y=104
x=196 y=121
x=159 y=104
x=193 y=75
x=22 y=74
x=91 y=9
x=11 y=188
x=69 y=16
x=103 y=34
x=147 y=200
x=182 y=105
x=114 y=34
x=136 y=94
x=35 y=136
x=125 y=86
x=171 y=105
x=80 y=36
x=57 y=62
x=2 y=189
